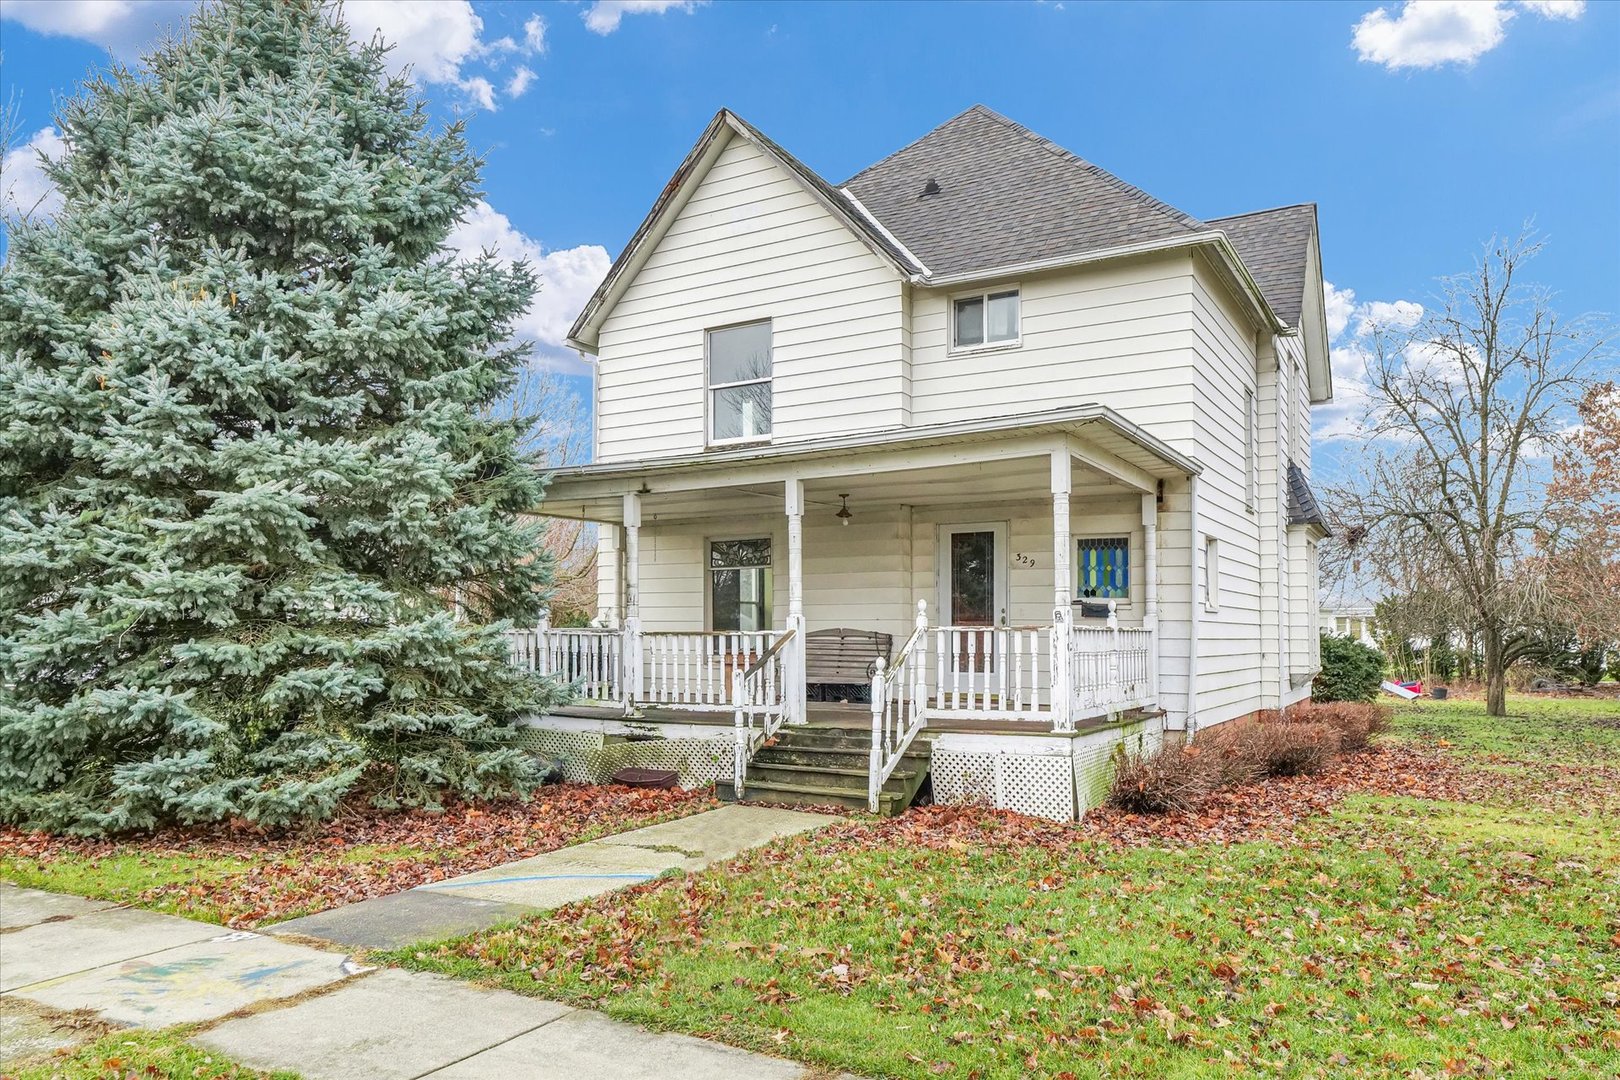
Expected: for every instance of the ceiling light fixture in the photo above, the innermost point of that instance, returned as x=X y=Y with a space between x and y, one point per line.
x=844 y=516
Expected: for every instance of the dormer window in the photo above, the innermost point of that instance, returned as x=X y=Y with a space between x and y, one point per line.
x=740 y=383
x=983 y=320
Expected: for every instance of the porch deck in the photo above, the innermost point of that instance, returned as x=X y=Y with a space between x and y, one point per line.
x=856 y=718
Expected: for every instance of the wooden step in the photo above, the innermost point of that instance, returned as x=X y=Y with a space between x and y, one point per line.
x=811 y=794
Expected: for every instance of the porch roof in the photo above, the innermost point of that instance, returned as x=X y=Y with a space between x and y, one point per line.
x=592 y=491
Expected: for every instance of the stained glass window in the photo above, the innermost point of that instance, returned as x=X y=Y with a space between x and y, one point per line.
x=1104 y=568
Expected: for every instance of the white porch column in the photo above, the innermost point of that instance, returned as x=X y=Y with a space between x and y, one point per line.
x=796 y=692
x=631 y=653
x=1150 y=586
x=1062 y=609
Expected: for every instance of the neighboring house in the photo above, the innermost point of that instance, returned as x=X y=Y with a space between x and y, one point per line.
x=1036 y=438
x=1354 y=619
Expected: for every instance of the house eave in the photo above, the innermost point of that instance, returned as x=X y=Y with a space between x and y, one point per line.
x=1243 y=284
x=569 y=484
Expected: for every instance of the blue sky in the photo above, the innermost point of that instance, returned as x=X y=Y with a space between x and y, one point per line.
x=1419 y=130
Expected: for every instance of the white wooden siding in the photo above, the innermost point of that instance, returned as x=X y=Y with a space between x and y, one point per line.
x=752 y=243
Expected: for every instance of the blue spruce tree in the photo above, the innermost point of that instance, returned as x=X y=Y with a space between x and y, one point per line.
x=243 y=468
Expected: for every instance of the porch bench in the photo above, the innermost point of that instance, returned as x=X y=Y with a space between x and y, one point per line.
x=842 y=656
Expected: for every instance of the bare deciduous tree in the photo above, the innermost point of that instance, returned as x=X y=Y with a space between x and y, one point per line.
x=1579 y=545
x=1464 y=407
x=558 y=425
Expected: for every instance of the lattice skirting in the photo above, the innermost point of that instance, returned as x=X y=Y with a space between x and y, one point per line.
x=590 y=758
x=1051 y=777
x=1042 y=785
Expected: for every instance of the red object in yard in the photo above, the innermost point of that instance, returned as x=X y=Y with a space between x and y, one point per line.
x=1416 y=686
x=646 y=778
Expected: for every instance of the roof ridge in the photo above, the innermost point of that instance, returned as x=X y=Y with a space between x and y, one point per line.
x=1257 y=213
x=1124 y=187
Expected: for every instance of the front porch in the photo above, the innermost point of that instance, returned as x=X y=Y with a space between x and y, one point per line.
x=989 y=582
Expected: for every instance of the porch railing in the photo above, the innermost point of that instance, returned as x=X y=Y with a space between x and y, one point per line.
x=590 y=659
x=760 y=698
x=899 y=705
x=694 y=668
x=991 y=672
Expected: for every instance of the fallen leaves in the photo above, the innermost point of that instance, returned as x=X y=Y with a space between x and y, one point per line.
x=246 y=876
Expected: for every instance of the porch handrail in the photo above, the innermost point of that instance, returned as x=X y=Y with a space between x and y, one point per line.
x=590 y=659
x=693 y=668
x=759 y=692
x=899 y=706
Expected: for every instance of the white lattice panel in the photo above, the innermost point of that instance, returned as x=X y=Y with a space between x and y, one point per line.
x=1041 y=785
x=697 y=762
x=579 y=752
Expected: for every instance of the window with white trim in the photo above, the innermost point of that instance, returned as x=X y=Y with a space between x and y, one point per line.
x=740 y=584
x=739 y=363
x=1251 y=453
x=1212 y=574
x=1102 y=568
x=985 y=319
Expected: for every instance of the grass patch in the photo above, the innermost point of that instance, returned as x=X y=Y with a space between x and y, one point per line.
x=1536 y=728
x=1393 y=936
x=157 y=1054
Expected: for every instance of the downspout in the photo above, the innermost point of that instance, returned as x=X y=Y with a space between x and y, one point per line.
x=1195 y=605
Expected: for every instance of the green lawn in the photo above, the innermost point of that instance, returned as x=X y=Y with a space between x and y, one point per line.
x=158 y=1055
x=1392 y=937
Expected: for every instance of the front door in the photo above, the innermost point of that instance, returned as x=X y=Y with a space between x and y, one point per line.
x=973 y=586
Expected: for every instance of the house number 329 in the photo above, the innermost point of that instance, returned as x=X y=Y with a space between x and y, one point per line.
x=1024 y=560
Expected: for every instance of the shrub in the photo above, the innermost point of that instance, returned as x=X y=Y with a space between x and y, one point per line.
x=1172 y=778
x=1350 y=671
x=1355 y=721
x=1233 y=753
x=1294 y=749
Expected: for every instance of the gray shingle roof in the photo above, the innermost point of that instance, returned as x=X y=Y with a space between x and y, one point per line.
x=1302 y=506
x=1006 y=196
x=1275 y=246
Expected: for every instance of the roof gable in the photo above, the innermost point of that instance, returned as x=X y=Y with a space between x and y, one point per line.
x=1275 y=246
x=1006 y=196
x=725 y=126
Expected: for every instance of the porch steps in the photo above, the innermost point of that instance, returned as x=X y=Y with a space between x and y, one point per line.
x=826 y=766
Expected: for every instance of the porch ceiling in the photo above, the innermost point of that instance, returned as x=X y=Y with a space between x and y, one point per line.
x=993 y=460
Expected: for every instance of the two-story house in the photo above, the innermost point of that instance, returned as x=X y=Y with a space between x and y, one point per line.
x=973 y=466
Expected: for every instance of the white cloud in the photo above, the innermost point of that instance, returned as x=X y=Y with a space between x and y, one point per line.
x=1337 y=305
x=603 y=16
x=534 y=35
x=24 y=187
x=1386 y=315
x=519 y=83
x=123 y=26
x=1432 y=33
x=567 y=279
x=1555 y=9
x=1350 y=323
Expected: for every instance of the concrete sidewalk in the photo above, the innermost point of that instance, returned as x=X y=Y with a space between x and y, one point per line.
x=275 y=1005
x=502 y=894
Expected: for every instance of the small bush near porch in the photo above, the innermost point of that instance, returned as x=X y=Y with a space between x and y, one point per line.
x=246 y=877
x=1432 y=907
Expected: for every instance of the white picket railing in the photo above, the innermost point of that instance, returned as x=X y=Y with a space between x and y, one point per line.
x=899 y=705
x=760 y=701
x=592 y=660
x=1111 y=668
x=991 y=672
x=693 y=668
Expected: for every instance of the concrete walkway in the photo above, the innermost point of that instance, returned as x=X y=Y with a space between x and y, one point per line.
x=283 y=1005
x=502 y=894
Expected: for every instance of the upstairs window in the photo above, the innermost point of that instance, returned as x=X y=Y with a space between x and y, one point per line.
x=740 y=584
x=985 y=319
x=1103 y=568
x=740 y=383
